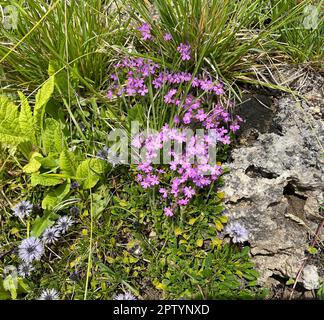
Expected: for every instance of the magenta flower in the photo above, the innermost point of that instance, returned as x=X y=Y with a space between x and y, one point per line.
x=110 y=94
x=187 y=118
x=184 y=50
x=169 y=95
x=234 y=127
x=201 y=116
x=183 y=202
x=164 y=192
x=168 y=212
x=218 y=89
x=189 y=192
x=145 y=30
x=176 y=119
x=167 y=37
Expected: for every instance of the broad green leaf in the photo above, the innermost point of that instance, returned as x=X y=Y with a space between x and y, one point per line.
x=4 y=294
x=177 y=231
x=34 y=164
x=42 y=223
x=199 y=242
x=220 y=195
x=223 y=219
x=10 y=284
x=54 y=197
x=219 y=225
x=67 y=163
x=52 y=137
x=44 y=93
x=42 y=97
x=23 y=286
x=26 y=120
x=26 y=148
x=159 y=285
x=51 y=68
x=219 y=208
x=10 y=132
x=88 y=172
x=192 y=221
x=49 y=162
x=45 y=179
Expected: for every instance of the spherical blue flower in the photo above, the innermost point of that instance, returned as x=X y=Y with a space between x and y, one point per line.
x=51 y=235
x=25 y=269
x=126 y=296
x=64 y=223
x=23 y=209
x=74 y=210
x=30 y=249
x=74 y=185
x=103 y=154
x=49 y=294
x=237 y=232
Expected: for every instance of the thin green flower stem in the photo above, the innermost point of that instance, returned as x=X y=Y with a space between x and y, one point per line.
x=72 y=116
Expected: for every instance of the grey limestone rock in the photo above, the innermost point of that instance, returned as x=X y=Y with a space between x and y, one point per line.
x=275 y=186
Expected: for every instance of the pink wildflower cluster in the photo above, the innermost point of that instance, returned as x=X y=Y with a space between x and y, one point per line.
x=145 y=30
x=184 y=50
x=167 y=37
x=136 y=71
x=191 y=168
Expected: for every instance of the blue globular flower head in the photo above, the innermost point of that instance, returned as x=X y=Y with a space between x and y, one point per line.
x=49 y=294
x=74 y=210
x=103 y=154
x=74 y=185
x=30 y=249
x=64 y=223
x=237 y=232
x=126 y=296
x=51 y=235
x=23 y=209
x=25 y=269
x=109 y=156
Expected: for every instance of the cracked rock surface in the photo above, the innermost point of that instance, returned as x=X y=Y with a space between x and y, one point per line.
x=275 y=183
